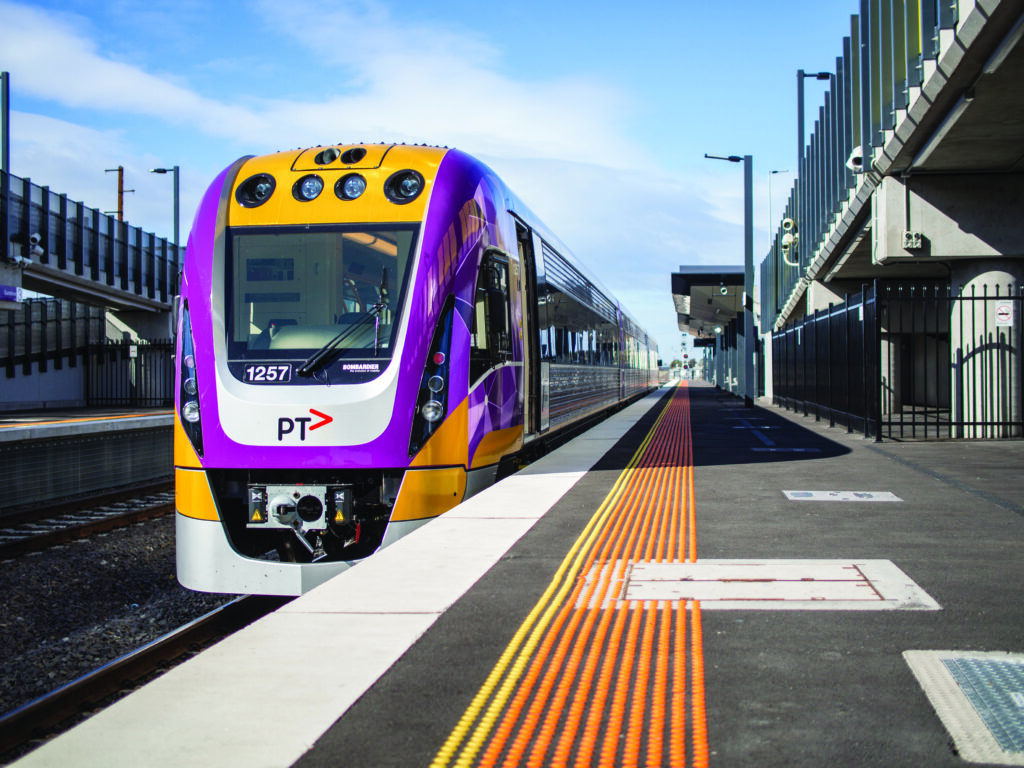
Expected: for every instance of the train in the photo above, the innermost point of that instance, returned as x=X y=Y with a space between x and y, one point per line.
x=368 y=334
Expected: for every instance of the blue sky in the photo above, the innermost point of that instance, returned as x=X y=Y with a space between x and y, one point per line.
x=597 y=114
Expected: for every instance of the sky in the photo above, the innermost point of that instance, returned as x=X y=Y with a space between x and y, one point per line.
x=597 y=114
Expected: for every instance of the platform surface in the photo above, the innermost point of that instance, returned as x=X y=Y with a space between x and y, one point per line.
x=46 y=425
x=815 y=659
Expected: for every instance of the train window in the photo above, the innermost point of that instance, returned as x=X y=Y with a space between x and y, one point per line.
x=291 y=290
x=492 y=337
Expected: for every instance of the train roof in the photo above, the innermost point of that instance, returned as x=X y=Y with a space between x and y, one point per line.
x=379 y=164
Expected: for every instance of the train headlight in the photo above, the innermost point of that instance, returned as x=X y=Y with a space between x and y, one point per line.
x=432 y=411
x=403 y=187
x=432 y=401
x=190 y=412
x=308 y=188
x=350 y=187
x=188 y=394
x=255 y=190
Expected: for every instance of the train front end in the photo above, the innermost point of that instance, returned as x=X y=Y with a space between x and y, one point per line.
x=322 y=399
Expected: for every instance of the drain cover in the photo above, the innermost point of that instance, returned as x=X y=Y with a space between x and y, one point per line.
x=841 y=496
x=980 y=699
x=779 y=585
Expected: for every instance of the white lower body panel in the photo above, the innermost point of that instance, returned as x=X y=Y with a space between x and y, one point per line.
x=207 y=563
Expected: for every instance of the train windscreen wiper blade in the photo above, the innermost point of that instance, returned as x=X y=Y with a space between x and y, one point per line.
x=327 y=349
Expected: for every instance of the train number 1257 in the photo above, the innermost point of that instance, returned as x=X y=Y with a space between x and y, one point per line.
x=268 y=374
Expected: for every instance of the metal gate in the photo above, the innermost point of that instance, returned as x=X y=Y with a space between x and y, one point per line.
x=908 y=362
x=130 y=374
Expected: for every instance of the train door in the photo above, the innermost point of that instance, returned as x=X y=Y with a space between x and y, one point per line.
x=531 y=353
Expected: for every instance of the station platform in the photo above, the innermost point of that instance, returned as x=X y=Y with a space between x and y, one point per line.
x=690 y=583
x=48 y=456
x=44 y=425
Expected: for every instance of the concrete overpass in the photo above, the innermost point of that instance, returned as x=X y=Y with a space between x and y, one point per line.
x=911 y=184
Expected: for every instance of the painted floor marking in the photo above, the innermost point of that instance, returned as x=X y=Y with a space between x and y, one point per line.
x=979 y=696
x=788 y=450
x=832 y=585
x=744 y=424
x=841 y=496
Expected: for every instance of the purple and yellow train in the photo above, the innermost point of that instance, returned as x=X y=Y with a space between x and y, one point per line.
x=366 y=334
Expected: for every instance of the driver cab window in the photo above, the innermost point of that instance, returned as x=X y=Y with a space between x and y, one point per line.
x=491 y=326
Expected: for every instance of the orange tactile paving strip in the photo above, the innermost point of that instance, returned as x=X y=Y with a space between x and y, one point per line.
x=591 y=679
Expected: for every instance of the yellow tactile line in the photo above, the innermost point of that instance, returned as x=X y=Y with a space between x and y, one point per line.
x=513 y=662
x=525 y=640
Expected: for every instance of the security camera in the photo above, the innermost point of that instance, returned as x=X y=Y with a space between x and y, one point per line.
x=856 y=160
x=788 y=225
x=788 y=240
x=34 y=247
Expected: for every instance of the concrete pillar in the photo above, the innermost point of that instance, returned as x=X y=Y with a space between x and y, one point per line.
x=985 y=341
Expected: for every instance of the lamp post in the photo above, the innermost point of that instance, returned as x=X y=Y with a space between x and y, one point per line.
x=770 y=222
x=801 y=75
x=173 y=170
x=5 y=162
x=748 y=346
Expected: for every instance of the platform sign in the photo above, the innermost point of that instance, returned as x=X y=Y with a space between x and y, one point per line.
x=1004 y=314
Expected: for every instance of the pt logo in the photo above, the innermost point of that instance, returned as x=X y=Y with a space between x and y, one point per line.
x=286 y=426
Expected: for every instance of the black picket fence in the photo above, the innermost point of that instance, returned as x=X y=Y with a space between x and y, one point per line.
x=132 y=375
x=908 y=362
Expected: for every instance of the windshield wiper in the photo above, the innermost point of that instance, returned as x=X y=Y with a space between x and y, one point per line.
x=327 y=349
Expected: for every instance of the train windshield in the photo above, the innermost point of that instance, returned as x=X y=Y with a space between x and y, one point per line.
x=296 y=291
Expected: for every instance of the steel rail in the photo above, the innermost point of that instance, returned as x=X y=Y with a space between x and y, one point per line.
x=46 y=715
x=56 y=509
x=75 y=531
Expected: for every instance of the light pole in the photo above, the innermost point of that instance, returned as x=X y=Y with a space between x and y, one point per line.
x=749 y=345
x=770 y=222
x=801 y=75
x=173 y=170
x=5 y=163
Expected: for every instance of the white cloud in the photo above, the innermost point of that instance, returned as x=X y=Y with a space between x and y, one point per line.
x=560 y=142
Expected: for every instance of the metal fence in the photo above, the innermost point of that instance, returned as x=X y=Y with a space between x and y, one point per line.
x=908 y=362
x=130 y=374
x=47 y=333
x=86 y=243
x=823 y=364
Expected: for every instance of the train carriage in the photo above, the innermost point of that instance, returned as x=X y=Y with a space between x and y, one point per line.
x=366 y=333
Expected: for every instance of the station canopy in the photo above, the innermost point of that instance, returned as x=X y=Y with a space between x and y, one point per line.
x=707 y=298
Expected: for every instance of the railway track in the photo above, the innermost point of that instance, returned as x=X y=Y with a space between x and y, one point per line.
x=37 y=529
x=62 y=708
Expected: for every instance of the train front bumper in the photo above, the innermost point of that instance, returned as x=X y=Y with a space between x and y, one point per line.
x=207 y=563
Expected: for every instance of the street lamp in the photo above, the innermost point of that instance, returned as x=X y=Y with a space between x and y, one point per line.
x=770 y=222
x=749 y=345
x=801 y=75
x=173 y=170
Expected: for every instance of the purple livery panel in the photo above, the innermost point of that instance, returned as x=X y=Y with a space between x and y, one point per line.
x=465 y=214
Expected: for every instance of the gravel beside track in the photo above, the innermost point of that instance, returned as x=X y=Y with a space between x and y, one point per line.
x=70 y=609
